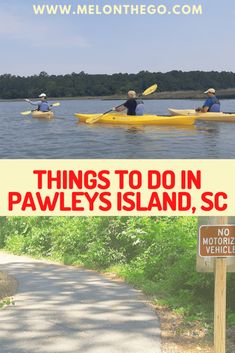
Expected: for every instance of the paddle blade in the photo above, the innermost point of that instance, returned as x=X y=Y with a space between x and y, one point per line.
x=55 y=104
x=150 y=90
x=26 y=113
x=94 y=119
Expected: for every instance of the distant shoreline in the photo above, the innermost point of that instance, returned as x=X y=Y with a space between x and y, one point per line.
x=190 y=95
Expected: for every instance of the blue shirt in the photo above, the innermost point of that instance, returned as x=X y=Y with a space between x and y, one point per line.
x=213 y=104
x=43 y=106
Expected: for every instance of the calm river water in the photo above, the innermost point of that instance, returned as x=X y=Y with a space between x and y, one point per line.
x=64 y=137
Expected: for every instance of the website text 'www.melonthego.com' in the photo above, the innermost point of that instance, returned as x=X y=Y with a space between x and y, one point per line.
x=124 y=9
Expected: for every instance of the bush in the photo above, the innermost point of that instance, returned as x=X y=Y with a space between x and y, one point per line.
x=156 y=254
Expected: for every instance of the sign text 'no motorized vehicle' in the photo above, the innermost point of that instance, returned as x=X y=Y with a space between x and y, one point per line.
x=217 y=241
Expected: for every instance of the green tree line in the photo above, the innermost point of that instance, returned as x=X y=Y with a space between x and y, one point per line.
x=83 y=84
x=157 y=255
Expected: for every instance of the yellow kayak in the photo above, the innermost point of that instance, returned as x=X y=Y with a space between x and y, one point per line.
x=116 y=118
x=223 y=117
x=45 y=115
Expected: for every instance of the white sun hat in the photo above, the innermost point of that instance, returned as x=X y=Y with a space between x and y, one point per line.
x=43 y=95
x=210 y=90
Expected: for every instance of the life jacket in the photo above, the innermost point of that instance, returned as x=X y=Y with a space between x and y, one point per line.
x=44 y=106
x=139 y=110
x=215 y=108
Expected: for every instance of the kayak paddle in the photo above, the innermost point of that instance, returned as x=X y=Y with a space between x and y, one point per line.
x=147 y=92
x=30 y=111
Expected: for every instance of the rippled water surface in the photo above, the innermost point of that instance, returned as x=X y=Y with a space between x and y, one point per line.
x=64 y=137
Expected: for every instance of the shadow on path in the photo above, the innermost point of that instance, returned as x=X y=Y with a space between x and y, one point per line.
x=71 y=310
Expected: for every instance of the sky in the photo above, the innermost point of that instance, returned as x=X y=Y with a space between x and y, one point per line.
x=109 y=44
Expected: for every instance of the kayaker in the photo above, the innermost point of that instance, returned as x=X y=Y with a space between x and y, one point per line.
x=133 y=105
x=212 y=104
x=43 y=105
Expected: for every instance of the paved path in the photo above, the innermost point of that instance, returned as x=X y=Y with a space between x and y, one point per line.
x=59 y=309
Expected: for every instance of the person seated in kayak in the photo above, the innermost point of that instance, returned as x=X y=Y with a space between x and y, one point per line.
x=43 y=105
x=133 y=105
x=212 y=104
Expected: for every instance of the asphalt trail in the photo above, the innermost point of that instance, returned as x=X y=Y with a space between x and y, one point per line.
x=60 y=309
